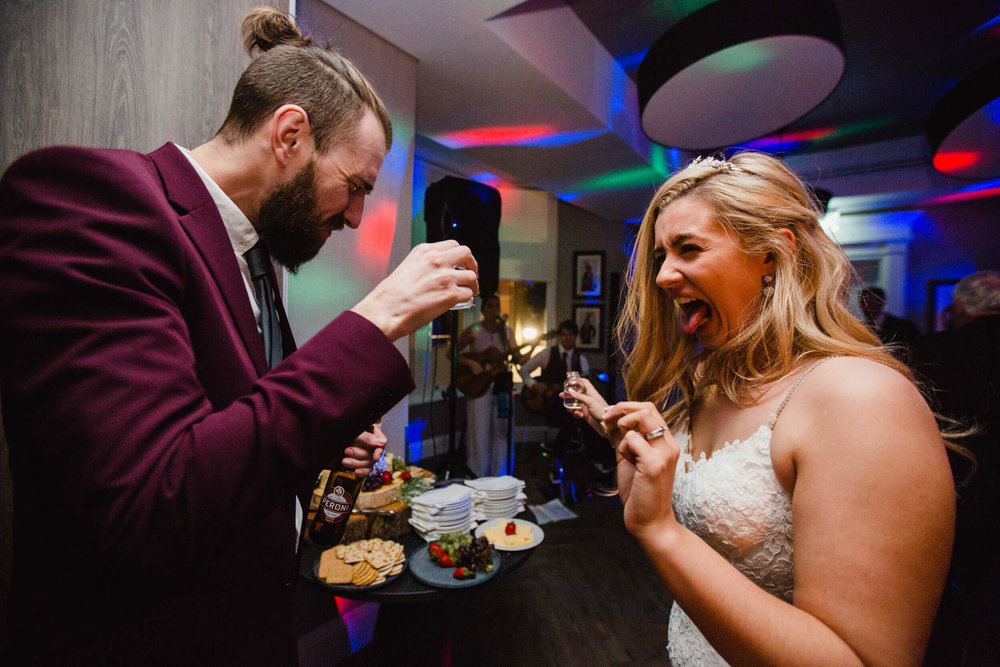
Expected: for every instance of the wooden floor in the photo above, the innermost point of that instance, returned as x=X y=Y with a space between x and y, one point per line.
x=587 y=596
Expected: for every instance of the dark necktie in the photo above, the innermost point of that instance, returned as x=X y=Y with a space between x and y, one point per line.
x=569 y=360
x=259 y=262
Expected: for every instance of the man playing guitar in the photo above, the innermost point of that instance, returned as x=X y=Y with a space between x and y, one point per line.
x=541 y=395
x=484 y=351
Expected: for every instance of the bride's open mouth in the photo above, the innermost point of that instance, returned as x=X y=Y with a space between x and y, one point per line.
x=694 y=313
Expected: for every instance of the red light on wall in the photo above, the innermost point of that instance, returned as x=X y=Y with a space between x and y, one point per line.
x=965 y=195
x=376 y=233
x=951 y=162
x=494 y=136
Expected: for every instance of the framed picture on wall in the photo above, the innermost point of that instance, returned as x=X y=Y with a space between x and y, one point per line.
x=588 y=274
x=590 y=320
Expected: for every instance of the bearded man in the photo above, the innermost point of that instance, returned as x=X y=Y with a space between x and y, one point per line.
x=163 y=428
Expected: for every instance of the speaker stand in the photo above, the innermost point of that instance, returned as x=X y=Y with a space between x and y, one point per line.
x=453 y=467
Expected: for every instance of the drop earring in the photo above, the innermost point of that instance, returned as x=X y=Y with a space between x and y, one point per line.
x=768 y=289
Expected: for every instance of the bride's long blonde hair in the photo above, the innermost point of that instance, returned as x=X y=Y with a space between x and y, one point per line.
x=753 y=195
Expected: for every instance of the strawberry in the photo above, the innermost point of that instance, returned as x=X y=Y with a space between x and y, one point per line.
x=444 y=560
x=405 y=476
x=463 y=573
x=387 y=477
x=435 y=549
x=511 y=528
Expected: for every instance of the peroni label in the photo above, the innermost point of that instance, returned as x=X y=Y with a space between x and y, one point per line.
x=336 y=505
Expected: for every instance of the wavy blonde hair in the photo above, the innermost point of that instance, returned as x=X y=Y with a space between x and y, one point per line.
x=753 y=196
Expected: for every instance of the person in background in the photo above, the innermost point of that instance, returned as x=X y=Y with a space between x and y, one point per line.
x=541 y=394
x=780 y=469
x=485 y=351
x=962 y=366
x=160 y=467
x=890 y=329
x=554 y=361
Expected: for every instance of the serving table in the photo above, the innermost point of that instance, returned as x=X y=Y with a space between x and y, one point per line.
x=406 y=588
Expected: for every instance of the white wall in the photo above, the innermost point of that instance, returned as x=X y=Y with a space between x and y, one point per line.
x=353 y=262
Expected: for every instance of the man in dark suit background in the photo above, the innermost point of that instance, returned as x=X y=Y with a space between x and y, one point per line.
x=888 y=327
x=897 y=331
x=157 y=460
x=962 y=367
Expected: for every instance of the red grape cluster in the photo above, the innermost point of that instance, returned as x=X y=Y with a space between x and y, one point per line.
x=477 y=556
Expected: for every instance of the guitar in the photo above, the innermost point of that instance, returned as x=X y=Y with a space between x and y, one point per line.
x=474 y=385
x=494 y=362
x=538 y=398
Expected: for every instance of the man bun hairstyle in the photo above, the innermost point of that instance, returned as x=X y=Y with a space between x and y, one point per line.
x=290 y=69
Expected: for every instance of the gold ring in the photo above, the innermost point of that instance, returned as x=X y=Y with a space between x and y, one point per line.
x=655 y=433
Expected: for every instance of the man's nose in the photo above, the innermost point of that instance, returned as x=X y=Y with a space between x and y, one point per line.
x=352 y=214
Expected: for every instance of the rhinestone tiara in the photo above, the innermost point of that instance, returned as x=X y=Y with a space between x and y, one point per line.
x=715 y=163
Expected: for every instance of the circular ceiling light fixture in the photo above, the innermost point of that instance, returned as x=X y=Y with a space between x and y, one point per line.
x=736 y=70
x=964 y=126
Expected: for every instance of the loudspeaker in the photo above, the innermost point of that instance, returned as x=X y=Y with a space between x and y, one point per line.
x=469 y=212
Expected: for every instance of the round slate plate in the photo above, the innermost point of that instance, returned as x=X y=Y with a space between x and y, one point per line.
x=424 y=569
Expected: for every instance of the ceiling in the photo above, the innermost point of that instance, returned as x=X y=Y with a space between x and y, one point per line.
x=541 y=94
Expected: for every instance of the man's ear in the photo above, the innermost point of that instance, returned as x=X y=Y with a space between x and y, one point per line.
x=291 y=136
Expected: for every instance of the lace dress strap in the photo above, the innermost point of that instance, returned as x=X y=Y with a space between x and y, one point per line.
x=781 y=406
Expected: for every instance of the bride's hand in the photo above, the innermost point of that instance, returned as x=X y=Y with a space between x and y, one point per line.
x=593 y=407
x=645 y=466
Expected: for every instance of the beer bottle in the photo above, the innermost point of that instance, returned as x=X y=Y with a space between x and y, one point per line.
x=329 y=525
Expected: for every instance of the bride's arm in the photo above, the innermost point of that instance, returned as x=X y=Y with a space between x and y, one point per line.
x=873 y=513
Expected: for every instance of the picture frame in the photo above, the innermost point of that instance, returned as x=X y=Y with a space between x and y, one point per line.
x=590 y=320
x=588 y=274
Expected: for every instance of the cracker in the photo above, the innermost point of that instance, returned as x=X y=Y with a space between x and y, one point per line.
x=363 y=562
x=364 y=574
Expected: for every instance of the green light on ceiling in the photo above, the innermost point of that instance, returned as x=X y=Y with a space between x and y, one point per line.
x=675 y=10
x=621 y=180
x=661 y=160
x=858 y=128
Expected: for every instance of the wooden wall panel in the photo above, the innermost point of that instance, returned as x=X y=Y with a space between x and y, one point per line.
x=117 y=73
x=111 y=73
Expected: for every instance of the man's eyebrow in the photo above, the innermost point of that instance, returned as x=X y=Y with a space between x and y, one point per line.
x=363 y=184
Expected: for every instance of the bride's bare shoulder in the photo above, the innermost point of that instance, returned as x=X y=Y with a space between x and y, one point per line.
x=853 y=379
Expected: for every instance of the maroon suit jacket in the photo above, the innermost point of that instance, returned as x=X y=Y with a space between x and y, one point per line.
x=155 y=460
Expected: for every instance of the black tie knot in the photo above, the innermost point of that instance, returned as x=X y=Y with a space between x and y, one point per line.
x=259 y=260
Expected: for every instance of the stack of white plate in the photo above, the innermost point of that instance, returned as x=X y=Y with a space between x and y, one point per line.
x=496 y=497
x=444 y=510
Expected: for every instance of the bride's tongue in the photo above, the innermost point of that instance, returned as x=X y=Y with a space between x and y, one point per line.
x=692 y=315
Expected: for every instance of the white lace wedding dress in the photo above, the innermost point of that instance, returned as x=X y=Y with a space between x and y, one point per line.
x=734 y=502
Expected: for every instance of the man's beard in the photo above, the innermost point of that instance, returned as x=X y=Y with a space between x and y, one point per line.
x=289 y=224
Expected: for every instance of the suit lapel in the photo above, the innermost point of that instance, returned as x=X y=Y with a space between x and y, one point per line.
x=200 y=218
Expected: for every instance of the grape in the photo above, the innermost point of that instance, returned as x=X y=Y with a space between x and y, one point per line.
x=476 y=555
